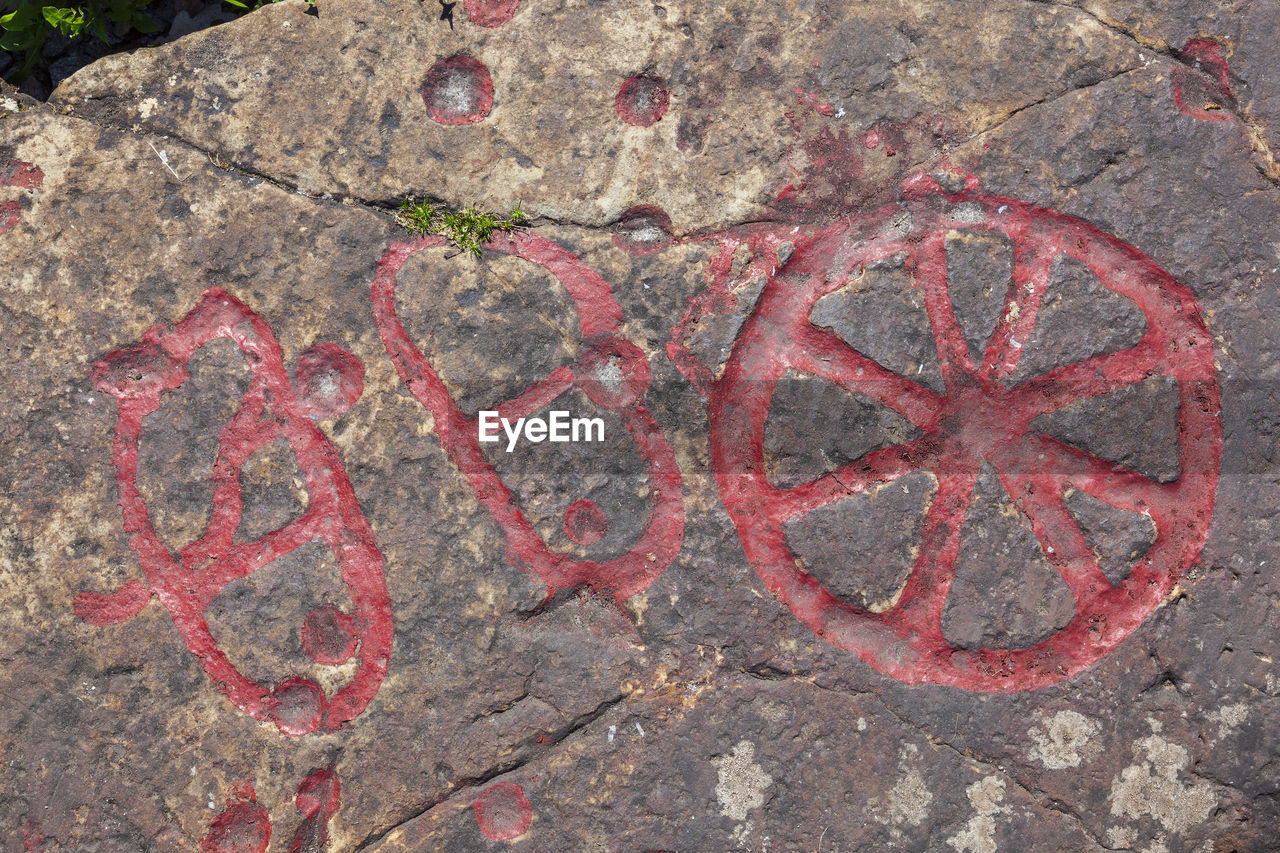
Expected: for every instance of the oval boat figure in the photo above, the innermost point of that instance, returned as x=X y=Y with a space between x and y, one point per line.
x=187 y=582
x=980 y=420
x=610 y=371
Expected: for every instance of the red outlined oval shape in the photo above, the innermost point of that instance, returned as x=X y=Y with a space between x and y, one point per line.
x=978 y=417
x=600 y=320
x=188 y=582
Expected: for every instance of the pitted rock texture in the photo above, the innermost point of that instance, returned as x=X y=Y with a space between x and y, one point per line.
x=264 y=157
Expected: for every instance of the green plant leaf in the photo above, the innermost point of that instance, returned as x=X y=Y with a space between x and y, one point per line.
x=13 y=41
x=144 y=23
x=69 y=22
x=21 y=18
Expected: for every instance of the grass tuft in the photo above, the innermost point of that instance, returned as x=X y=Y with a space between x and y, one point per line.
x=468 y=229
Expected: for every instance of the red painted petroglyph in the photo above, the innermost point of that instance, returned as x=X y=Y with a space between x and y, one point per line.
x=17 y=173
x=830 y=180
x=458 y=91
x=978 y=418
x=242 y=827
x=642 y=100
x=585 y=522
x=1203 y=91
x=188 y=582
x=318 y=799
x=329 y=636
x=612 y=372
x=329 y=380
x=503 y=812
x=491 y=13
x=32 y=836
x=887 y=133
x=764 y=242
x=643 y=230
x=814 y=100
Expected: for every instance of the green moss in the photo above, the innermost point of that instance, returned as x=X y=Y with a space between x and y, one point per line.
x=468 y=229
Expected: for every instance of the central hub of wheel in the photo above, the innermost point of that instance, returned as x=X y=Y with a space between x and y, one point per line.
x=978 y=418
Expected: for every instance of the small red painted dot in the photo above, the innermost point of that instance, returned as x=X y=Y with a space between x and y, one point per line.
x=585 y=523
x=328 y=636
x=298 y=706
x=503 y=812
x=329 y=380
x=137 y=371
x=613 y=373
x=240 y=828
x=490 y=13
x=458 y=90
x=642 y=100
x=643 y=230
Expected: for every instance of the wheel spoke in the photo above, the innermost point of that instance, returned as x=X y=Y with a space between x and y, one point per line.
x=863 y=474
x=825 y=355
x=1064 y=546
x=925 y=594
x=245 y=559
x=1031 y=267
x=1092 y=377
x=244 y=435
x=1110 y=482
x=931 y=272
x=537 y=395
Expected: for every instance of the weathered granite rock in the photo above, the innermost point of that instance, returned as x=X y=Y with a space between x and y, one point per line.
x=772 y=247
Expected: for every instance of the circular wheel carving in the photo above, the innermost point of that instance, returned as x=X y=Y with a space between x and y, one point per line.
x=611 y=371
x=980 y=418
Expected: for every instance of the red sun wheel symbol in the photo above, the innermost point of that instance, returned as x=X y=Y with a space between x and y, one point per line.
x=981 y=417
x=611 y=371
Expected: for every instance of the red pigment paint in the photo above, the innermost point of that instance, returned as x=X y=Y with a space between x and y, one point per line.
x=503 y=812
x=886 y=133
x=812 y=99
x=458 y=91
x=329 y=636
x=490 y=13
x=18 y=173
x=242 y=827
x=1203 y=89
x=188 y=582
x=600 y=321
x=718 y=298
x=643 y=230
x=318 y=800
x=585 y=523
x=978 y=418
x=32 y=836
x=642 y=100
x=329 y=380
x=831 y=182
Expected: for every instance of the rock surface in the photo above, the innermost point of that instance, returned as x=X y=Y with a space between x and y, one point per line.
x=772 y=248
